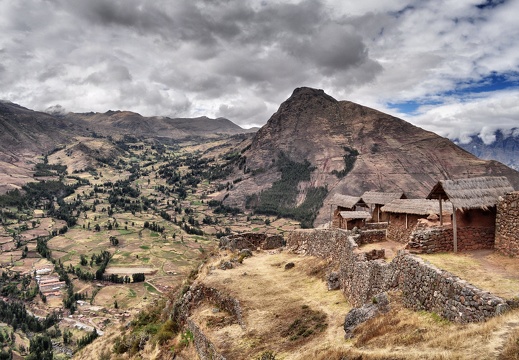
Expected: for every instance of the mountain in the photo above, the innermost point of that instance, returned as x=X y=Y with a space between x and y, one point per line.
x=504 y=149
x=26 y=135
x=118 y=123
x=350 y=149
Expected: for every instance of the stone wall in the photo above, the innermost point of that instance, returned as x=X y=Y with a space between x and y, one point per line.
x=376 y=225
x=397 y=230
x=441 y=239
x=425 y=287
x=251 y=241
x=507 y=225
x=204 y=347
x=371 y=236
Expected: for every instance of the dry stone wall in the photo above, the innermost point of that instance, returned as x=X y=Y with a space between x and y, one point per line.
x=424 y=286
x=438 y=239
x=507 y=225
x=372 y=236
x=204 y=347
x=251 y=241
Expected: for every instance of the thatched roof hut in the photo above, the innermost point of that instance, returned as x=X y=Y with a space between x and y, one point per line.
x=416 y=207
x=351 y=215
x=472 y=193
x=381 y=198
x=347 y=201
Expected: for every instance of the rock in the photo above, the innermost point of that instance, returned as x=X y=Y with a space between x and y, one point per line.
x=289 y=265
x=332 y=281
x=356 y=316
x=226 y=265
x=245 y=253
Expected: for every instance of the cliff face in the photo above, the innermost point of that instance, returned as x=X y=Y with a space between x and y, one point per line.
x=386 y=153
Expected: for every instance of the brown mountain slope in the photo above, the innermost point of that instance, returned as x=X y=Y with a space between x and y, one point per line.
x=393 y=155
x=117 y=123
x=24 y=136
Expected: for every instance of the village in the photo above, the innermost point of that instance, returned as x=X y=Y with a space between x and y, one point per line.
x=457 y=215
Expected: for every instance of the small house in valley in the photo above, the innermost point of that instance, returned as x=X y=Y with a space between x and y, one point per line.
x=474 y=209
x=345 y=203
x=376 y=200
x=404 y=214
x=351 y=219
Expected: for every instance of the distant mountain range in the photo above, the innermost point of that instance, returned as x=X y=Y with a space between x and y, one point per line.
x=504 y=149
x=26 y=134
x=322 y=146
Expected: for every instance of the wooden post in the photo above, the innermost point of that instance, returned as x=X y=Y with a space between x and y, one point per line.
x=454 y=229
x=331 y=218
x=378 y=213
x=406 y=221
x=441 y=212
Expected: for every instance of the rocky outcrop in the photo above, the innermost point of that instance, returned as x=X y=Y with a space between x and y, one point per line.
x=379 y=305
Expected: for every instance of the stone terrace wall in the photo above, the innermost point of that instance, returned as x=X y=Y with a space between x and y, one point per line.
x=372 y=236
x=438 y=239
x=507 y=225
x=424 y=286
x=251 y=241
x=204 y=347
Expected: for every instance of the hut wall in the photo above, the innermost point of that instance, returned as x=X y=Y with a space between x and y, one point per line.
x=476 y=218
x=441 y=239
x=376 y=212
x=397 y=231
x=507 y=225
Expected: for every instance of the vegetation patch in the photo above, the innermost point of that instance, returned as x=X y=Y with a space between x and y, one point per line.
x=349 y=161
x=280 y=199
x=307 y=323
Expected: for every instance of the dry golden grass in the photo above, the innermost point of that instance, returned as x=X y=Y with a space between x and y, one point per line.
x=271 y=298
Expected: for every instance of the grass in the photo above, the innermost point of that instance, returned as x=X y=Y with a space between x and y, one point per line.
x=485 y=269
x=144 y=247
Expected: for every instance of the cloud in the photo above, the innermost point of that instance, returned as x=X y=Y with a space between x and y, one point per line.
x=481 y=115
x=242 y=58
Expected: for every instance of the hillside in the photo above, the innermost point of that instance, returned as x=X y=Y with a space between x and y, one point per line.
x=351 y=149
x=27 y=135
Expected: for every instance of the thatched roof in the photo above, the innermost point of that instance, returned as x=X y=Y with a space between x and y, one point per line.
x=347 y=201
x=472 y=193
x=351 y=215
x=416 y=207
x=381 y=198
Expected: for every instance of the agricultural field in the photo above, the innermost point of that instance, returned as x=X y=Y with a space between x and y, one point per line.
x=112 y=226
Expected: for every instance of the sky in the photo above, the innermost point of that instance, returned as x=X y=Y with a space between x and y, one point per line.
x=449 y=66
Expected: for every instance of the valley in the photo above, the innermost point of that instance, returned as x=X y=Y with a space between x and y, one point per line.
x=111 y=225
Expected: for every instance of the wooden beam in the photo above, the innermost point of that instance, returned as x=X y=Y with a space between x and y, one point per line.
x=441 y=212
x=454 y=229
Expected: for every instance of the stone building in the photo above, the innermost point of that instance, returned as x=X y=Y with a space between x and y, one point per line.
x=404 y=214
x=344 y=203
x=507 y=224
x=376 y=200
x=351 y=219
x=474 y=206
